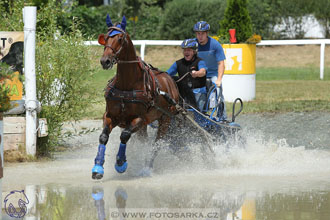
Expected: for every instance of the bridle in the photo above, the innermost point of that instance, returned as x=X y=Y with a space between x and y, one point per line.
x=115 y=58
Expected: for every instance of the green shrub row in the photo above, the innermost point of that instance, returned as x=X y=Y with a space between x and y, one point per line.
x=174 y=19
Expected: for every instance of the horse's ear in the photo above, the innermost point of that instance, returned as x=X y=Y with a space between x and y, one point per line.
x=101 y=39
x=108 y=20
x=123 y=23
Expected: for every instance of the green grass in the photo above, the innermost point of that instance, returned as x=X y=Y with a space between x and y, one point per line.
x=98 y=83
x=101 y=77
x=285 y=106
x=290 y=73
x=290 y=95
x=277 y=90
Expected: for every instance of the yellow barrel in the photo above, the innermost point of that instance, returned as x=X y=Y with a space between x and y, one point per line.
x=240 y=58
x=239 y=80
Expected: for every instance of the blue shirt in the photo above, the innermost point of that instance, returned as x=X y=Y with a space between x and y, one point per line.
x=173 y=70
x=212 y=52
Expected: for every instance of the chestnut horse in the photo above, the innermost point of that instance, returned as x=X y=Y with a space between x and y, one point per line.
x=138 y=95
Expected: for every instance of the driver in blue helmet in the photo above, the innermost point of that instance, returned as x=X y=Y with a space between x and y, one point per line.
x=212 y=53
x=191 y=73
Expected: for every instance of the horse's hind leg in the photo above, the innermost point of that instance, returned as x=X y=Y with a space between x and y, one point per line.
x=98 y=170
x=143 y=133
x=164 y=124
x=121 y=162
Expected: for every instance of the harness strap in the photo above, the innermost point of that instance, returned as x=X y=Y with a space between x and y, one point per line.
x=146 y=96
x=134 y=96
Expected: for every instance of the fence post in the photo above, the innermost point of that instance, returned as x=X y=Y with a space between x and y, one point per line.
x=142 y=49
x=322 y=60
x=29 y=19
x=1 y=153
x=1 y=146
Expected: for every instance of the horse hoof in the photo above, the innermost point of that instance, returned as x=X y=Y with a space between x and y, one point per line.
x=97 y=172
x=97 y=176
x=122 y=168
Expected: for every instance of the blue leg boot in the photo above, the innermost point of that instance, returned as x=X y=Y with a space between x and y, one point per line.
x=121 y=163
x=98 y=171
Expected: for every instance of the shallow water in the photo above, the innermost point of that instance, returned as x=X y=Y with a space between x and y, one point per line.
x=282 y=172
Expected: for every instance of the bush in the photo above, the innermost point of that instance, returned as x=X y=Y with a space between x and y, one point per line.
x=92 y=20
x=11 y=18
x=5 y=73
x=62 y=68
x=181 y=15
x=236 y=17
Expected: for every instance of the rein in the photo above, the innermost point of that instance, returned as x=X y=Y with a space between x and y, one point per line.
x=128 y=61
x=181 y=78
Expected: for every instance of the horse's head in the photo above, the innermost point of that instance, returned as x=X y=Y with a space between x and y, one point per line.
x=114 y=42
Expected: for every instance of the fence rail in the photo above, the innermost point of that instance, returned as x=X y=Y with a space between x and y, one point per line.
x=321 y=42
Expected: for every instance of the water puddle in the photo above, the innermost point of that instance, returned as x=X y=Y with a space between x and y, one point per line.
x=267 y=178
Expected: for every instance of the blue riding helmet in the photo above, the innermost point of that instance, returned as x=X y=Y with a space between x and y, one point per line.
x=201 y=26
x=189 y=43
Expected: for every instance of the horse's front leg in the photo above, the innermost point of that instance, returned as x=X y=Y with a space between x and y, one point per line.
x=98 y=170
x=121 y=162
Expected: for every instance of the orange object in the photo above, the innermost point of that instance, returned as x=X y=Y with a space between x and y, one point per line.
x=232 y=33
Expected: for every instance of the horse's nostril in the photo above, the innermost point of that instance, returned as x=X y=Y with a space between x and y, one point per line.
x=107 y=62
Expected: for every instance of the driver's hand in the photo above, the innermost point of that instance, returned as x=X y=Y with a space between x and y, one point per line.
x=194 y=73
x=218 y=82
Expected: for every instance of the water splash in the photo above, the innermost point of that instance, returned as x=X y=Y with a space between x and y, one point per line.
x=257 y=157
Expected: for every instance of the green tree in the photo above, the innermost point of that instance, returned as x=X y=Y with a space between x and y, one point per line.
x=236 y=17
x=265 y=14
x=292 y=13
x=147 y=26
x=322 y=14
x=144 y=17
x=181 y=15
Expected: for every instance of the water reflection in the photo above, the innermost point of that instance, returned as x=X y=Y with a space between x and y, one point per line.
x=121 y=198
x=98 y=194
x=166 y=204
x=129 y=201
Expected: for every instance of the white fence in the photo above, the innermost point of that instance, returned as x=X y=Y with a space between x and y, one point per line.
x=321 y=42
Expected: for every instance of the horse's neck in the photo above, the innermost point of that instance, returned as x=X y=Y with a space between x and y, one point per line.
x=128 y=73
